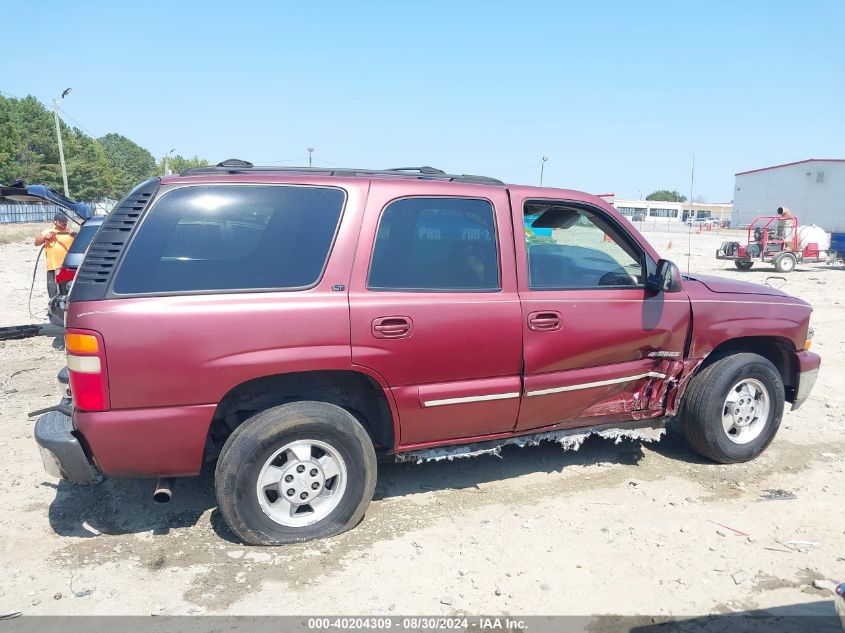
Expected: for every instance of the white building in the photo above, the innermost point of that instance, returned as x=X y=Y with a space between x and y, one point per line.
x=813 y=190
x=656 y=210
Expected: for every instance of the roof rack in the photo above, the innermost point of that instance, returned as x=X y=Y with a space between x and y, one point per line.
x=237 y=166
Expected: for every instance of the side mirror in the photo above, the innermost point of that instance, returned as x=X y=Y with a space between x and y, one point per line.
x=666 y=279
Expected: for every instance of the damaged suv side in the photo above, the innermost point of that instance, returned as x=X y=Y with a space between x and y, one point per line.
x=294 y=324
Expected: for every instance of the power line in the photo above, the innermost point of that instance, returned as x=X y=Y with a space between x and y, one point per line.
x=62 y=110
x=78 y=124
x=284 y=160
x=22 y=98
x=513 y=171
x=320 y=160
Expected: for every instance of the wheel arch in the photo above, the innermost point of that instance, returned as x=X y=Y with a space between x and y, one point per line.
x=778 y=350
x=363 y=395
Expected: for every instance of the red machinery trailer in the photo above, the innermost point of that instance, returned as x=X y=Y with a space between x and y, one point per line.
x=772 y=239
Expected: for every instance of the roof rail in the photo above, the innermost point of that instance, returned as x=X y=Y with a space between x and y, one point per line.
x=429 y=171
x=235 y=163
x=236 y=166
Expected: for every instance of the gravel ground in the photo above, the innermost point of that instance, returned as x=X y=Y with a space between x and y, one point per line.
x=626 y=529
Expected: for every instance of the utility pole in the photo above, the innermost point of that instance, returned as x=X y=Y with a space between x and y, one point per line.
x=689 y=233
x=59 y=138
x=310 y=151
x=542 y=165
x=167 y=162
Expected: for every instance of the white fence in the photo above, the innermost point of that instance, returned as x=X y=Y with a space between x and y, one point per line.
x=18 y=213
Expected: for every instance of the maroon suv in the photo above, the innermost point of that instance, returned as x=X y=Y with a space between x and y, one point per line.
x=294 y=324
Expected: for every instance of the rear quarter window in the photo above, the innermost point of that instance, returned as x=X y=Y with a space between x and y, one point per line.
x=232 y=237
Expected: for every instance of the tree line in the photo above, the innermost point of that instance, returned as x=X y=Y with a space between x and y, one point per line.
x=97 y=168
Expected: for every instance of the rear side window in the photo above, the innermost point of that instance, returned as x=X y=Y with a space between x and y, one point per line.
x=436 y=244
x=238 y=237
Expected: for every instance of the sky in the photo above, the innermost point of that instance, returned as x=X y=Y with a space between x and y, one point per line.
x=619 y=95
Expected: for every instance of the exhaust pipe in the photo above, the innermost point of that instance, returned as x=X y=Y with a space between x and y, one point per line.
x=164 y=490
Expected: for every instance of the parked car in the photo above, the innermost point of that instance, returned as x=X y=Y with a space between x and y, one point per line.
x=296 y=324
x=703 y=223
x=840 y=604
x=65 y=274
x=638 y=217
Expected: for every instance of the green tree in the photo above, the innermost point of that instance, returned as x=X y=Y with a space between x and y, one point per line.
x=89 y=174
x=9 y=142
x=179 y=163
x=37 y=153
x=108 y=167
x=665 y=195
x=129 y=162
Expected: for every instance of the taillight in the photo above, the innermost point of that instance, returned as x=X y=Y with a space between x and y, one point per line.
x=86 y=363
x=64 y=275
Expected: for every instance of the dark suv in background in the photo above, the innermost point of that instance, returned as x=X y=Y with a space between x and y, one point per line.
x=73 y=259
x=292 y=324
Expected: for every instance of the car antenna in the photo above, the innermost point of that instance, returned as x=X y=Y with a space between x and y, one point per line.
x=689 y=233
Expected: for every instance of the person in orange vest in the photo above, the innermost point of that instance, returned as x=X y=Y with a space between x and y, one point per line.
x=56 y=242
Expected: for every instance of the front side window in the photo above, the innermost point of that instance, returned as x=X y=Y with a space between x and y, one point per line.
x=570 y=248
x=233 y=237
x=436 y=244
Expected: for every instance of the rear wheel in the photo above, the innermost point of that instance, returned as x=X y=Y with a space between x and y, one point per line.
x=743 y=265
x=785 y=263
x=733 y=408
x=295 y=472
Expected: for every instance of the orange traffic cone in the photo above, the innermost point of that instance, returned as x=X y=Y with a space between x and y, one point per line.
x=669 y=245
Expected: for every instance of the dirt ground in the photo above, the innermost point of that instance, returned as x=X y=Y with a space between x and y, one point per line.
x=623 y=528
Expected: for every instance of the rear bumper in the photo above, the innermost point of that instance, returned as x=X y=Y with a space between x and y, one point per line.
x=164 y=441
x=808 y=372
x=61 y=451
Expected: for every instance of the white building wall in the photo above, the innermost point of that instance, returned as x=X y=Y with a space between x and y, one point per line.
x=672 y=211
x=814 y=191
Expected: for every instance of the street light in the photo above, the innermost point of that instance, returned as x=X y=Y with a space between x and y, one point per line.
x=59 y=139
x=310 y=151
x=542 y=165
x=167 y=162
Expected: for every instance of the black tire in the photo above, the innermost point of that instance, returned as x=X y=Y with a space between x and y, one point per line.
x=18 y=331
x=785 y=263
x=250 y=446
x=703 y=402
x=743 y=265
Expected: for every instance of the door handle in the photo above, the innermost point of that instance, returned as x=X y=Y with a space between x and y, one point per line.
x=547 y=321
x=392 y=327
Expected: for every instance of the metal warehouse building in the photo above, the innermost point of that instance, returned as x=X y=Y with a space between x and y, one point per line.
x=813 y=189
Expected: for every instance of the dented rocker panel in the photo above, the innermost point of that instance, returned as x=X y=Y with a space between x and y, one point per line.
x=569 y=439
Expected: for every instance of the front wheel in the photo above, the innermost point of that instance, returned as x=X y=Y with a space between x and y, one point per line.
x=295 y=472
x=733 y=408
x=742 y=265
x=785 y=263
